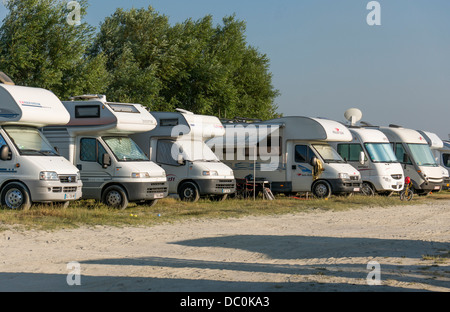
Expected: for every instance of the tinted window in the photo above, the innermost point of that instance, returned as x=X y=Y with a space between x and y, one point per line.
x=303 y=153
x=350 y=152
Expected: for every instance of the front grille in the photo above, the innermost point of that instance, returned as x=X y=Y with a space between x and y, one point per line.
x=225 y=186
x=160 y=187
x=396 y=176
x=354 y=177
x=226 y=181
x=68 y=178
x=68 y=189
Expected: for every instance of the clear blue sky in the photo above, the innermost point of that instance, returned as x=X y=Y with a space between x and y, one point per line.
x=325 y=58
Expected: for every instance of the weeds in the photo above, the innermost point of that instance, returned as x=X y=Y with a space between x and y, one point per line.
x=169 y=210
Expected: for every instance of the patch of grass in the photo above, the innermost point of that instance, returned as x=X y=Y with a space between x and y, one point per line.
x=92 y=213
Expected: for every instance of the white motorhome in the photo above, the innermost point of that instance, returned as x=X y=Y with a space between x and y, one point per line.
x=178 y=145
x=31 y=171
x=439 y=149
x=112 y=167
x=418 y=162
x=292 y=153
x=380 y=170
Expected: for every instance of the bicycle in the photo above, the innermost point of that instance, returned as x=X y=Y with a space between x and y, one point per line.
x=407 y=192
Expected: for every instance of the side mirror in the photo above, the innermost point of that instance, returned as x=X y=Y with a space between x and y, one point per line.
x=405 y=158
x=313 y=161
x=180 y=159
x=5 y=153
x=362 y=157
x=106 y=160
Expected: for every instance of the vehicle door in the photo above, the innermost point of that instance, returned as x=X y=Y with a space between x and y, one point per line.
x=301 y=169
x=93 y=171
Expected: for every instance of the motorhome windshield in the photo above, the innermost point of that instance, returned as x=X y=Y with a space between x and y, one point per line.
x=327 y=153
x=380 y=152
x=30 y=141
x=422 y=155
x=125 y=149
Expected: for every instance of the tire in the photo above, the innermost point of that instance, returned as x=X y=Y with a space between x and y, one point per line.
x=321 y=189
x=188 y=191
x=115 y=196
x=367 y=189
x=15 y=196
x=408 y=195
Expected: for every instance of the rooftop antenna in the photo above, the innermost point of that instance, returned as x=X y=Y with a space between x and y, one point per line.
x=353 y=115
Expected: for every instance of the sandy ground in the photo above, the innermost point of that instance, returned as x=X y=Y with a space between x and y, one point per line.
x=305 y=252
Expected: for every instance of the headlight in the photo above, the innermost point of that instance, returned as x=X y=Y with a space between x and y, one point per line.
x=344 y=176
x=210 y=173
x=48 y=175
x=140 y=175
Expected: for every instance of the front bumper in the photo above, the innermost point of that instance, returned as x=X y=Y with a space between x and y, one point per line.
x=340 y=186
x=138 y=191
x=216 y=186
x=54 y=191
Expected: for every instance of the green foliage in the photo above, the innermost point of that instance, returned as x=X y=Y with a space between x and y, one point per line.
x=39 y=48
x=192 y=65
x=137 y=56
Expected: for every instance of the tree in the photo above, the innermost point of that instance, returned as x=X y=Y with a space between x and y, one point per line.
x=39 y=48
x=192 y=65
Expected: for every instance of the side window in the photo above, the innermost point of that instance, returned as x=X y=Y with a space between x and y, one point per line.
x=303 y=153
x=446 y=160
x=2 y=141
x=350 y=152
x=91 y=150
x=164 y=153
x=400 y=153
x=88 y=149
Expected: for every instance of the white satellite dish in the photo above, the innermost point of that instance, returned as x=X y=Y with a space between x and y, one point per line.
x=353 y=115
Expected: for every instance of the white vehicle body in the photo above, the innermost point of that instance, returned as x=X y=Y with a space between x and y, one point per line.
x=418 y=162
x=380 y=169
x=441 y=152
x=112 y=167
x=178 y=145
x=30 y=168
x=284 y=152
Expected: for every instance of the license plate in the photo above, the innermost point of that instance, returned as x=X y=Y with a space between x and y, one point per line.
x=158 y=195
x=226 y=190
x=356 y=189
x=69 y=196
x=436 y=187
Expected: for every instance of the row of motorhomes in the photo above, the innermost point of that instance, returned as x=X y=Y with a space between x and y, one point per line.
x=61 y=151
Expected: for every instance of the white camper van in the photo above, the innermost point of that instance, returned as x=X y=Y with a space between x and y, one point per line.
x=30 y=168
x=292 y=153
x=112 y=167
x=438 y=148
x=178 y=145
x=444 y=160
x=414 y=153
x=380 y=170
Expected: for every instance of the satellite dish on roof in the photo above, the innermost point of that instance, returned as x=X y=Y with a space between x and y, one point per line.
x=353 y=115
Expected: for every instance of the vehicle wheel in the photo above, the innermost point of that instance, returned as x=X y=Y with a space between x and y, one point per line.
x=367 y=189
x=189 y=192
x=321 y=189
x=408 y=195
x=116 y=197
x=16 y=196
